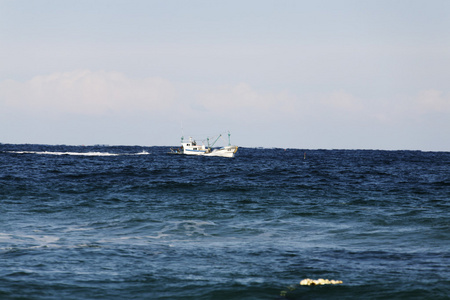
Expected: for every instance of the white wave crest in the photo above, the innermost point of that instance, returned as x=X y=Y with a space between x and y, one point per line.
x=78 y=153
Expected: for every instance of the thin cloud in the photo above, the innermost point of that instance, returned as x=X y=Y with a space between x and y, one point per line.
x=88 y=93
x=242 y=98
x=432 y=101
x=344 y=101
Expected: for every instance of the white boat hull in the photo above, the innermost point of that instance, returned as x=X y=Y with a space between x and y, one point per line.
x=227 y=151
x=194 y=152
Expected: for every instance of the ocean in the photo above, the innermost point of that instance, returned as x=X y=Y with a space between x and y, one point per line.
x=132 y=222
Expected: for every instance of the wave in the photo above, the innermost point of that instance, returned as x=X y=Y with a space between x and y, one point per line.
x=78 y=153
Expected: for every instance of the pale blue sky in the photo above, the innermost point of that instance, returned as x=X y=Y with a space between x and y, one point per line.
x=301 y=74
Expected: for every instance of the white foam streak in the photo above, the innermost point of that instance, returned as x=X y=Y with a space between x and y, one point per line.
x=78 y=153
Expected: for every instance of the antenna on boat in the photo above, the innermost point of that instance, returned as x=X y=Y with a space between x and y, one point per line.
x=229 y=139
x=182 y=133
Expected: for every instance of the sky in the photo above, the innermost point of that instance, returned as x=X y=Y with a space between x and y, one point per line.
x=338 y=74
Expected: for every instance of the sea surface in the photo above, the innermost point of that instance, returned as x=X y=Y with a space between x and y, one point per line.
x=121 y=222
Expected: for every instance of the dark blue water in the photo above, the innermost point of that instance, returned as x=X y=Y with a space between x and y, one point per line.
x=118 y=223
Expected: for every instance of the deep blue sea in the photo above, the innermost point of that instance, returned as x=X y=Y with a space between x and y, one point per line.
x=106 y=222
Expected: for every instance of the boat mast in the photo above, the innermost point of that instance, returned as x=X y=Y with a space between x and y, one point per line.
x=182 y=133
x=215 y=140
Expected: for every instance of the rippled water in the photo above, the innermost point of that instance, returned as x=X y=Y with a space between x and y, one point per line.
x=136 y=223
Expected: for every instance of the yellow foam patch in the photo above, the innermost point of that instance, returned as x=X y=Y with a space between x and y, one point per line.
x=319 y=281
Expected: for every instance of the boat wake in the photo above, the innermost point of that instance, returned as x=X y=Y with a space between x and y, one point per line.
x=78 y=153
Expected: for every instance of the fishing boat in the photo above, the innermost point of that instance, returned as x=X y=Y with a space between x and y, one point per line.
x=191 y=147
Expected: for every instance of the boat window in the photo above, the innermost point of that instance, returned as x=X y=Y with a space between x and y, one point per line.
x=188 y=144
